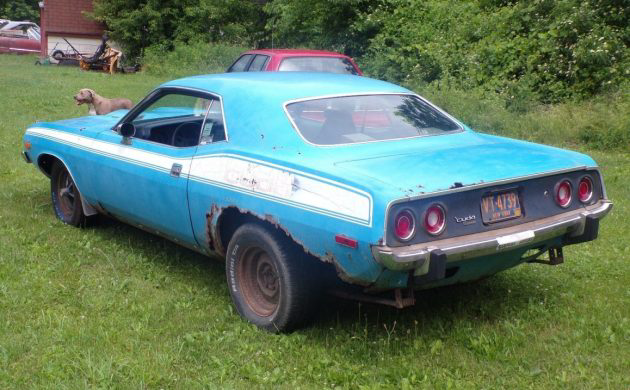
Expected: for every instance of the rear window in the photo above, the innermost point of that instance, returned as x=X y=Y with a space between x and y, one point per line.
x=367 y=118
x=317 y=64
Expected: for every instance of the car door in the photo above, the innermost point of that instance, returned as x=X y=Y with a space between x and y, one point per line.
x=143 y=179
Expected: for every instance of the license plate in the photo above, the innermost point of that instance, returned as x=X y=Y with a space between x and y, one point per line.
x=500 y=206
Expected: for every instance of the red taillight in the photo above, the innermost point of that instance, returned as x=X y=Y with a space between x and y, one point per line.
x=346 y=241
x=435 y=219
x=585 y=189
x=563 y=193
x=405 y=225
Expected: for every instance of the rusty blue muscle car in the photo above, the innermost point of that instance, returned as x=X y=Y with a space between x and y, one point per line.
x=307 y=183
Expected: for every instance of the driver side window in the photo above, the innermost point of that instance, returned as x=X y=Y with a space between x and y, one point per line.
x=176 y=119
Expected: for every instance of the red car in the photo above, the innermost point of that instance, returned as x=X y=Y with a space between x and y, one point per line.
x=19 y=37
x=282 y=60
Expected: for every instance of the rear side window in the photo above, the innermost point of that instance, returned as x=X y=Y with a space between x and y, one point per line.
x=317 y=64
x=240 y=64
x=367 y=118
x=258 y=64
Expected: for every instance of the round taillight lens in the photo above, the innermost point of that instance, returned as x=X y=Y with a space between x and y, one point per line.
x=585 y=189
x=435 y=220
x=405 y=225
x=563 y=193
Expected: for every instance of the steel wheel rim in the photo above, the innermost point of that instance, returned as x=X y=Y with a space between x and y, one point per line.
x=260 y=282
x=66 y=193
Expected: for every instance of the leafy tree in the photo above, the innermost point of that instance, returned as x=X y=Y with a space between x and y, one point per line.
x=546 y=50
x=320 y=24
x=138 y=24
x=20 y=10
x=524 y=50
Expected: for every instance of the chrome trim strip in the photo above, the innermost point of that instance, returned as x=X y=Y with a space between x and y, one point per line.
x=26 y=50
x=496 y=241
x=297 y=129
x=478 y=186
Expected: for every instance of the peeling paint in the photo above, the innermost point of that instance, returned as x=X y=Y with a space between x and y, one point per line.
x=330 y=258
x=214 y=240
x=459 y=184
x=282 y=185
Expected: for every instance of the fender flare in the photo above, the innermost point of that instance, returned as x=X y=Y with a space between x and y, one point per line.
x=88 y=210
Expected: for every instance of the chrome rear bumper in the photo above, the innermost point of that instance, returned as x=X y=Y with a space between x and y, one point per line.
x=572 y=224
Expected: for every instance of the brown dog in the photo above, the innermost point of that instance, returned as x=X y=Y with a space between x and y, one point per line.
x=100 y=105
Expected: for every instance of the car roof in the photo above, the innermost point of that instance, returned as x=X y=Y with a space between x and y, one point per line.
x=279 y=87
x=295 y=53
x=12 y=25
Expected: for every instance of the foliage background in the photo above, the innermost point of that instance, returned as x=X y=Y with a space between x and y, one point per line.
x=19 y=10
x=527 y=52
x=542 y=50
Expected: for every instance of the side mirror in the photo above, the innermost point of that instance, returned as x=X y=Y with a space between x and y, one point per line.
x=127 y=130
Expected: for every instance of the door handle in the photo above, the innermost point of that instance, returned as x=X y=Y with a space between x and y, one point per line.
x=176 y=170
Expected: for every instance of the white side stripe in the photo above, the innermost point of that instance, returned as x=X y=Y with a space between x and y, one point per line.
x=237 y=173
x=290 y=186
x=115 y=150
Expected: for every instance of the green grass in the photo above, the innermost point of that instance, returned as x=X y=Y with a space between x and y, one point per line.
x=112 y=306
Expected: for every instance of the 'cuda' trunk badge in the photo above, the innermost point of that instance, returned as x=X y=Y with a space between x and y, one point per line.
x=466 y=220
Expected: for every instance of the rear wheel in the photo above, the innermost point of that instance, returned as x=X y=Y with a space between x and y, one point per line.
x=66 y=198
x=269 y=279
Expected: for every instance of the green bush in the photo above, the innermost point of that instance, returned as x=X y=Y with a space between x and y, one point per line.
x=19 y=10
x=543 y=50
x=320 y=24
x=187 y=59
x=538 y=51
x=138 y=24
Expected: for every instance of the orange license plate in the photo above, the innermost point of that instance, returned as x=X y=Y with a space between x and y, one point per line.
x=500 y=206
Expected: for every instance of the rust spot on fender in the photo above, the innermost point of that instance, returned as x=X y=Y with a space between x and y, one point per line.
x=330 y=258
x=215 y=243
x=211 y=233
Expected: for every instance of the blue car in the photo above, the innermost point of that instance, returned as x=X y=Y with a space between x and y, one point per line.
x=307 y=183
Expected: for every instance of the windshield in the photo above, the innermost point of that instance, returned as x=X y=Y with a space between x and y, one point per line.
x=367 y=118
x=317 y=64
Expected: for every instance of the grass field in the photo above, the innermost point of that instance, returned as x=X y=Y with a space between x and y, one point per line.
x=112 y=306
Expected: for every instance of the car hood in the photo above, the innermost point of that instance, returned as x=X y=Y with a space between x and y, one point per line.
x=459 y=160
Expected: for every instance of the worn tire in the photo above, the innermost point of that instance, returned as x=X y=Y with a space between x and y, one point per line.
x=66 y=198
x=270 y=279
x=57 y=55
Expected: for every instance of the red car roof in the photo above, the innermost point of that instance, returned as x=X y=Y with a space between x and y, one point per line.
x=295 y=52
x=278 y=55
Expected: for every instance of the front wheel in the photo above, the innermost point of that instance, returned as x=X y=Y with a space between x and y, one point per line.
x=269 y=279
x=66 y=198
